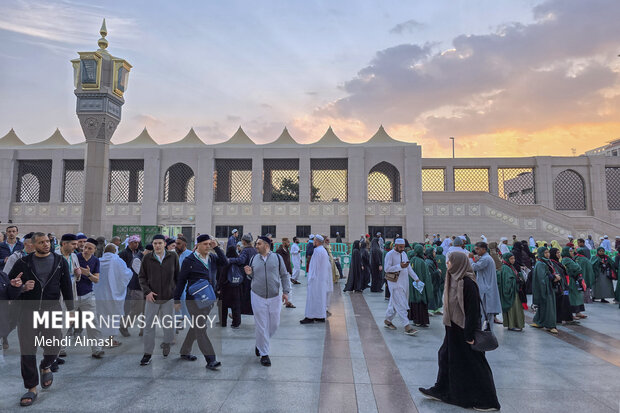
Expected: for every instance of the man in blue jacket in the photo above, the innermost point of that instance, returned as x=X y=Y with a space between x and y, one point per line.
x=201 y=265
x=232 y=240
x=10 y=245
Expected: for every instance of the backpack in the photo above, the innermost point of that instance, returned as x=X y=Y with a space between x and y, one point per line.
x=235 y=276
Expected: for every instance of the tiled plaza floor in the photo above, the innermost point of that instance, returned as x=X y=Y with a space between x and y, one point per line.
x=345 y=365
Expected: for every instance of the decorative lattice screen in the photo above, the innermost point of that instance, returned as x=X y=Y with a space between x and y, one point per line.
x=471 y=179
x=126 y=182
x=179 y=184
x=281 y=180
x=517 y=185
x=73 y=181
x=384 y=183
x=34 y=180
x=612 y=176
x=433 y=179
x=232 y=180
x=569 y=191
x=329 y=180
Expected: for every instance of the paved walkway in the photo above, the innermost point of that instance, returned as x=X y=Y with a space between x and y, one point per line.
x=348 y=364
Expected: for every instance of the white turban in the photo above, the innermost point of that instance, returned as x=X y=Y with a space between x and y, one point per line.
x=399 y=241
x=319 y=237
x=311 y=236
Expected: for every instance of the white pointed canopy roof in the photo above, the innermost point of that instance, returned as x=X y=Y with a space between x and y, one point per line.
x=330 y=139
x=143 y=139
x=239 y=138
x=191 y=139
x=285 y=138
x=381 y=137
x=11 y=139
x=55 y=140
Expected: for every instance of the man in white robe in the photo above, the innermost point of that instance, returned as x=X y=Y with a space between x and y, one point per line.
x=110 y=291
x=606 y=244
x=319 y=283
x=446 y=243
x=396 y=261
x=295 y=260
x=503 y=246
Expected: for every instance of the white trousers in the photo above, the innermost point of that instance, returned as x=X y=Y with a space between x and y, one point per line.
x=266 y=318
x=398 y=305
x=296 y=268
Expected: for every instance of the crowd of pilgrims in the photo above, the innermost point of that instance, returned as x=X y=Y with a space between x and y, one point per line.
x=498 y=275
x=560 y=278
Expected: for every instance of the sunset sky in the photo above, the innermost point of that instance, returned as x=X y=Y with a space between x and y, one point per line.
x=506 y=78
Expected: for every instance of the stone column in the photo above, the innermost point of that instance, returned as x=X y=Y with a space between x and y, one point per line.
x=57 y=177
x=543 y=177
x=597 y=185
x=450 y=177
x=305 y=180
x=357 y=194
x=204 y=192
x=493 y=180
x=96 y=170
x=8 y=166
x=152 y=184
x=414 y=220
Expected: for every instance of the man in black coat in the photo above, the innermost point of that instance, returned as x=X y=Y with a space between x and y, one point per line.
x=37 y=280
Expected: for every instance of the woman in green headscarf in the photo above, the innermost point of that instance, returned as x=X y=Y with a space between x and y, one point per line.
x=440 y=259
x=587 y=272
x=543 y=295
x=435 y=274
x=509 y=283
x=576 y=284
x=418 y=302
x=604 y=273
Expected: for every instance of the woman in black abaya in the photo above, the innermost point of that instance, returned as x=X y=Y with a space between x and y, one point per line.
x=464 y=378
x=376 y=265
x=354 y=279
x=365 y=265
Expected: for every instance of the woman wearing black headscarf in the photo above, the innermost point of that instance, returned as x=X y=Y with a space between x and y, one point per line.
x=230 y=295
x=465 y=378
x=527 y=259
x=562 y=300
x=376 y=266
x=365 y=265
x=354 y=279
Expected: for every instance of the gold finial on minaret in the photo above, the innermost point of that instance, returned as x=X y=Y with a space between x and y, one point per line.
x=103 y=43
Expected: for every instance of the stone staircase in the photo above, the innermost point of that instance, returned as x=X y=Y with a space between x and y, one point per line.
x=478 y=213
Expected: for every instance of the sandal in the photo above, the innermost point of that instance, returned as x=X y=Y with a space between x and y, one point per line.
x=290 y=305
x=389 y=325
x=46 y=377
x=189 y=357
x=28 y=395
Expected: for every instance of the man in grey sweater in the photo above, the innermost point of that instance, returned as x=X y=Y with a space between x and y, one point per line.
x=268 y=273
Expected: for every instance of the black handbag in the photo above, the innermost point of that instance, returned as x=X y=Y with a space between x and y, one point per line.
x=484 y=339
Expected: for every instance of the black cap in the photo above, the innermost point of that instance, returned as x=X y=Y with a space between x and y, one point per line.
x=68 y=237
x=203 y=237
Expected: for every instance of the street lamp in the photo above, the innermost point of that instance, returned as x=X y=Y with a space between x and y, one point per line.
x=452 y=138
x=100 y=80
